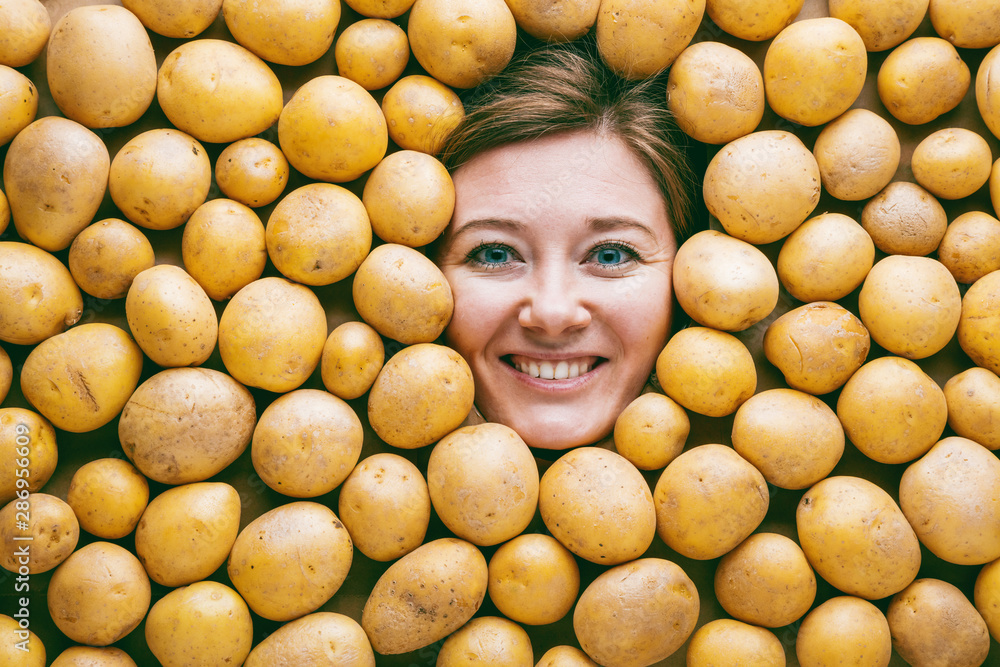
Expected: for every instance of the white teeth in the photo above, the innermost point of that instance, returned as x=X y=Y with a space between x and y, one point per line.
x=574 y=370
x=546 y=371
x=562 y=370
x=531 y=370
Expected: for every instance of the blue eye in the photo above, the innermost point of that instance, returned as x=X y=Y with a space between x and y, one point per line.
x=613 y=254
x=610 y=256
x=491 y=255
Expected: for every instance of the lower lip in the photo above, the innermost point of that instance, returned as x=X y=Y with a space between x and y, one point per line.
x=558 y=386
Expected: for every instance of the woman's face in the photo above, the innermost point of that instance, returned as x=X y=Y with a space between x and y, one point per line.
x=559 y=254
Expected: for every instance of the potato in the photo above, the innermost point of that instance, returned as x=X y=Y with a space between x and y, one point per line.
x=493 y=640
x=858 y=154
x=409 y=197
x=766 y=580
x=334 y=112
x=99 y=594
x=715 y=92
x=793 y=438
x=185 y=425
x=93 y=656
x=318 y=234
x=723 y=282
x=175 y=19
x=708 y=500
x=30 y=439
x=910 y=305
x=108 y=497
x=726 y=641
x=187 y=531
x=814 y=70
x=423 y=392
x=826 y=258
x=41 y=299
x=707 y=371
x=534 y=579
x=381 y=9
x=970 y=247
x=23 y=647
x=922 y=79
x=420 y=112
x=18 y=105
x=313 y=638
x=224 y=247
x=80 y=379
x=651 y=431
x=386 y=506
x=986 y=596
x=159 y=178
x=4 y=213
x=979 y=322
x=403 y=614
x=558 y=22
x=967 y=25
x=565 y=656
x=932 y=623
x=881 y=25
x=637 y=39
x=972 y=397
x=844 y=629
x=598 y=506
x=762 y=186
x=101 y=82
x=252 y=171
x=55 y=176
x=952 y=163
x=987 y=84
x=286 y=32
x=218 y=91
x=6 y=374
x=45 y=523
x=290 y=560
x=619 y=622
x=994 y=186
x=27 y=32
x=306 y=443
x=271 y=334
x=856 y=537
x=204 y=623
x=352 y=357
x=106 y=257
x=372 y=53
x=905 y=219
x=754 y=21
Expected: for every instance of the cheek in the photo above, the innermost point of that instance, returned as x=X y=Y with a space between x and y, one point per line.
x=476 y=316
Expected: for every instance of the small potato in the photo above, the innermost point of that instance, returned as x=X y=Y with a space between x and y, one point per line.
x=386 y=506
x=493 y=640
x=40 y=297
x=598 y=505
x=844 y=629
x=224 y=247
x=952 y=163
x=986 y=596
x=108 y=497
x=187 y=531
x=4 y=213
x=756 y=20
x=381 y=9
x=637 y=39
x=107 y=256
x=180 y=20
x=534 y=579
x=967 y=25
x=18 y=105
x=420 y=112
x=204 y=623
x=352 y=357
x=970 y=247
x=726 y=641
x=30 y=653
x=372 y=52
x=99 y=594
x=6 y=374
x=409 y=197
x=27 y=31
x=24 y=433
x=290 y=560
x=403 y=614
x=905 y=219
x=651 y=431
x=932 y=623
x=892 y=411
x=858 y=154
x=922 y=79
x=980 y=320
x=565 y=656
x=93 y=656
x=312 y=639
x=562 y=22
x=252 y=171
x=856 y=537
x=994 y=184
x=987 y=84
x=972 y=397
x=826 y=258
x=618 y=622
x=286 y=32
x=707 y=371
x=44 y=522
x=881 y=25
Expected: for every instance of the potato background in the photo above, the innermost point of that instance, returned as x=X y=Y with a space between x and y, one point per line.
x=256 y=498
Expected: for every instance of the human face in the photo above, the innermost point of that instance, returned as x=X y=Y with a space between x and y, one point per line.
x=559 y=255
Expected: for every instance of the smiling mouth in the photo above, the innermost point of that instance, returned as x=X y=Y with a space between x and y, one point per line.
x=562 y=369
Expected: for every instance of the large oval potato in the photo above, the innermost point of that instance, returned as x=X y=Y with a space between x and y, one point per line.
x=882 y=25
x=27 y=31
x=224 y=247
x=726 y=641
x=932 y=622
x=533 y=579
x=858 y=154
x=638 y=39
x=179 y=20
x=25 y=433
x=312 y=639
x=979 y=322
x=494 y=640
x=972 y=398
x=286 y=32
x=844 y=628
x=40 y=297
x=905 y=219
x=826 y=258
x=922 y=79
x=18 y=107
x=753 y=20
x=51 y=531
x=420 y=112
x=707 y=371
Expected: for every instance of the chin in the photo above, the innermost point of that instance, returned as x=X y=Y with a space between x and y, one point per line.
x=557 y=434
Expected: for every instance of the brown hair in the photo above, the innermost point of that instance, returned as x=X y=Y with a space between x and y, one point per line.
x=566 y=87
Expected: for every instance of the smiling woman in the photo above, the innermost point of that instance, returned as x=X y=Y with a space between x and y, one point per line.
x=572 y=195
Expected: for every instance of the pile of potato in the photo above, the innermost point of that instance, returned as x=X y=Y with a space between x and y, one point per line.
x=231 y=433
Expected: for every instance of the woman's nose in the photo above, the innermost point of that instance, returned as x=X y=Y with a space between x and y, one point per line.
x=553 y=305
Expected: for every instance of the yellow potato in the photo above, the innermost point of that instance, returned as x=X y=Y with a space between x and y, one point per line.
x=793 y=438
x=286 y=32
x=40 y=297
x=493 y=640
x=159 y=178
x=409 y=197
x=224 y=247
x=420 y=112
x=380 y=9
x=403 y=614
x=386 y=507
x=905 y=219
x=972 y=397
x=856 y=537
x=206 y=623
x=555 y=21
x=18 y=105
x=994 y=188
x=175 y=19
x=271 y=334
x=27 y=27
x=108 y=497
x=290 y=560
x=967 y=25
x=844 y=629
x=986 y=596
x=252 y=171
x=987 y=84
x=708 y=500
x=921 y=79
x=565 y=656
x=352 y=358
x=970 y=247
x=826 y=258
x=726 y=641
x=762 y=186
x=334 y=112
x=618 y=621
x=93 y=656
x=756 y=20
x=882 y=25
x=312 y=639
x=55 y=176
x=306 y=443
x=651 y=431
x=707 y=371
x=892 y=411
x=932 y=622
x=30 y=439
x=186 y=532
x=4 y=213
x=372 y=52
x=43 y=522
x=534 y=579
x=96 y=81
x=910 y=305
x=106 y=257
x=99 y=594
x=6 y=374
x=185 y=425
x=598 y=505
x=422 y=393
x=218 y=91
x=980 y=320
x=637 y=38
x=80 y=379
x=23 y=647
x=858 y=154
x=318 y=234
x=952 y=163
x=814 y=70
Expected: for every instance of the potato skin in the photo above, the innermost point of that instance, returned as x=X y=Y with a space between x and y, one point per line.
x=972 y=397
x=106 y=256
x=108 y=497
x=980 y=320
x=312 y=639
x=637 y=38
x=53 y=532
x=493 y=640
x=16 y=424
x=846 y=629
x=224 y=247
x=707 y=371
x=93 y=656
x=419 y=96
x=286 y=32
x=24 y=318
x=942 y=79
x=933 y=624
x=726 y=641
x=534 y=580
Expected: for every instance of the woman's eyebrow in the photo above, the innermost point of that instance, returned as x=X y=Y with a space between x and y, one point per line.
x=490 y=223
x=616 y=223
